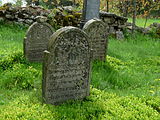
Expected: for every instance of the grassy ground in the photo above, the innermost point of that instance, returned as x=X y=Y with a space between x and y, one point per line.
x=141 y=21
x=11 y=38
x=126 y=86
x=132 y=66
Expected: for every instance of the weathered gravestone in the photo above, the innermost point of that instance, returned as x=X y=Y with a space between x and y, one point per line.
x=66 y=69
x=97 y=32
x=36 y=40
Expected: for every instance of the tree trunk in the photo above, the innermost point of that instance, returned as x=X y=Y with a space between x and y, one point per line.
x=74 y=2
x=134 y=16
x=146 y=22
x=107 y=6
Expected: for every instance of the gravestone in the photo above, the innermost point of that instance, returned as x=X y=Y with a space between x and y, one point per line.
x=91 y=9
x=36 y=40
x=66 y=68
x=97 y=32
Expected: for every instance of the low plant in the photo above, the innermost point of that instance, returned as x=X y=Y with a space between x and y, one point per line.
x=8 y=61
x=20 y=76
x=98 y=106
x=17 y=72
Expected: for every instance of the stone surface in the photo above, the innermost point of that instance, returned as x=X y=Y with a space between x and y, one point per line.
x=91 y=9
x=66 y=69
x=119 y=35
x=41 y=19
x=28 y=14
x=153 y=28
x=112 y=30
x=9 y=16
x=97 y=32
x=28 y=21
x=114 y=22
x=36 y=41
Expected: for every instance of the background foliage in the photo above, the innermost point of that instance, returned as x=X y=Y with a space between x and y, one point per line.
x=122 y=7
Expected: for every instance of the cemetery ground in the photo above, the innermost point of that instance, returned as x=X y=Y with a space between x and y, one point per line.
x=126 y=86
x=141 y=21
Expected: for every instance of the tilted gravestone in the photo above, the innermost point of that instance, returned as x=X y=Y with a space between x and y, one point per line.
x=36 y=40
x=66 y=68
x=97 y=32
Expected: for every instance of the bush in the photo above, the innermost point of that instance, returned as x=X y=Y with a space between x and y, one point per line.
x=59 y=17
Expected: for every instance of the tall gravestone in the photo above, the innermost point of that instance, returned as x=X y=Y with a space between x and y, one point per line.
x=66 y=69
x=36 y=40
x=97 y=32
x=90 y=10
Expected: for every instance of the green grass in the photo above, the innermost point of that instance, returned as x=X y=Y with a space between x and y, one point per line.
x=11 y=38
x=141 y=21
x=98 y=106
x=132 y=66
x=125 y=87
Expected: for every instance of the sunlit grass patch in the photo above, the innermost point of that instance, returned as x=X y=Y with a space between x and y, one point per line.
x=141 y=21
x=99 y=105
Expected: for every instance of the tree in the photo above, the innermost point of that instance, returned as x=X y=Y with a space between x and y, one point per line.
x=134 y=16
x=107 y=5
x=143 y=7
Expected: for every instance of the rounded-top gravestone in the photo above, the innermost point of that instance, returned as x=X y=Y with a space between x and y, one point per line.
x=97 y=32
x=66 y=68
x=36 y=40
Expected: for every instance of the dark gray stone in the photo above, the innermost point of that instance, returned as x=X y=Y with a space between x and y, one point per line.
x=36 y=41
x=20 y=20
x=119 y=35
x=8 y=16
x=28 y=21
x=91 y=9
x=66 y=69
x=97 y=32
x=112 y=30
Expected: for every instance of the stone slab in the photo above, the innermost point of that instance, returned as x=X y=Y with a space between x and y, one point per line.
x=66 y=68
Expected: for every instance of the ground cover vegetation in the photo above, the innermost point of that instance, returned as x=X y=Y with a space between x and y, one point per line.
x=126 y=86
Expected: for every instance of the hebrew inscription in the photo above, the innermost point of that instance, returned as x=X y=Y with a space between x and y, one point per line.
x=36 y=41
x=66 y=69
x=97 y=33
